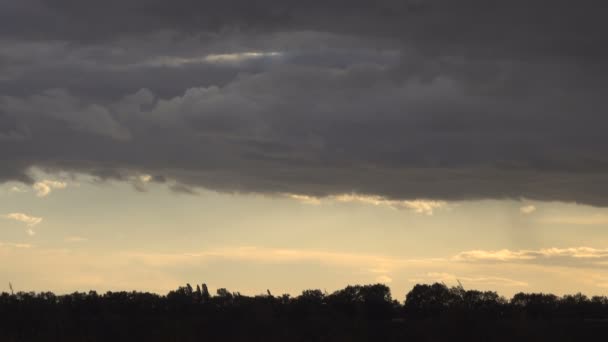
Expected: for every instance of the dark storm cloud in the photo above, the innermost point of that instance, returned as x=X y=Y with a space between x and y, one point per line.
x=83 y=21
x=546 y=27
x=420 y=99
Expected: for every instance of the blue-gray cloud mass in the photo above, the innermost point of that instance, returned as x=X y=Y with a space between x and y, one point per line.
x=437 y=99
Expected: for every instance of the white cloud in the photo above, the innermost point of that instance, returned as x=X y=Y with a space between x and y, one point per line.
x=576 y=252
x=500 y=255
x=44 y=187
x=505 y=255
x=426 y=207
x=418 y=206
x=29 y=220
x=422 y=206
x=305 y=199
x=373 y=200
x=30 y=232
x=528 y=209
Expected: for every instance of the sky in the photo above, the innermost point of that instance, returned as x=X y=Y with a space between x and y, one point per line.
x=289 y=145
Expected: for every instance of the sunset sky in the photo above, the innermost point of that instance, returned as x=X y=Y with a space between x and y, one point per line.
x=288 y=145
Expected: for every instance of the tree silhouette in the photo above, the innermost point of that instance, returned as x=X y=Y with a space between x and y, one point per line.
x=205 y=296
x=355 y=313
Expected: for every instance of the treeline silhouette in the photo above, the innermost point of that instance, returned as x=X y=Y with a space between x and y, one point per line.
x=356 y=313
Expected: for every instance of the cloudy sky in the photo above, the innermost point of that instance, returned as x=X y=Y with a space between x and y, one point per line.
x=304 y=144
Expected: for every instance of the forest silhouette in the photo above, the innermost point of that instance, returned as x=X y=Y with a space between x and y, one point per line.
x=356 y=313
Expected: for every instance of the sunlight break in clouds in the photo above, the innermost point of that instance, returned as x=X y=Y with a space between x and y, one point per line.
x=174 y=62
x=44 y=188
x=29 y=220
x=239 y=57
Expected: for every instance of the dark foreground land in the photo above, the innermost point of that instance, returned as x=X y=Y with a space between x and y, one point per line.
x=356 y=313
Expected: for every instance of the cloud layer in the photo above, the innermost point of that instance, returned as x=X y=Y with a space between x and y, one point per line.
x=563 y=270
x=567 y=257
x=402 y=100
x=20 y=217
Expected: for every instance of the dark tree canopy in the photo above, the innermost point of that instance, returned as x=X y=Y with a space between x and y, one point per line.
x=355 y=313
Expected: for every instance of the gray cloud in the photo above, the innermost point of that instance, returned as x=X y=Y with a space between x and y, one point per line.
x=57 y=104
x=405 y=100
x=569 y=27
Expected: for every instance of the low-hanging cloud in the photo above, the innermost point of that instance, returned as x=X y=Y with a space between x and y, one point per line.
x=411 y=102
